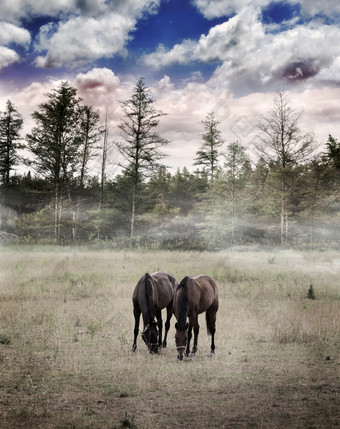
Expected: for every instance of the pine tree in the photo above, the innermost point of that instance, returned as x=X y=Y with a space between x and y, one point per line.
x=208 y=154
x=55 y=143
x=10 y=126
x=141 y=140
x=236 y=160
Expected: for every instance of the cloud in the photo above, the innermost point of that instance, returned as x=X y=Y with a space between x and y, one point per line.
x=82 y=39
x=315 y=8
x=16 y=10
x=309 y=8
x=80 y=31
x=218 y=8
x=249 y=57
x=99 y=87
x=7 y=57
x=10 y=33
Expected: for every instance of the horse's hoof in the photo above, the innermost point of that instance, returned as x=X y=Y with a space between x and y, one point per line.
x=134 y=348
x=212 y=353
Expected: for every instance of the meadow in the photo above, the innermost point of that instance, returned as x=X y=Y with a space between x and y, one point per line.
x=66 y=331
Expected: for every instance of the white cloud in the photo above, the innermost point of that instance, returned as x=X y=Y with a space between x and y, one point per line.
x=217 y=8
x=311 y=8
x=221 y=43
x=83 y=39
x=253 y=59
x=16 y=10
x=99 y=87
x=10 y=33
x=7 y=57
x=87 y=29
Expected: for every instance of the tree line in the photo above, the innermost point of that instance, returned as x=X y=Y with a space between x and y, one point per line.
x=289 y=194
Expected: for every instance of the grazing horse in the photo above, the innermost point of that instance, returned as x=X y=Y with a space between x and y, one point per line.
x=152 y=293
x=193 y=296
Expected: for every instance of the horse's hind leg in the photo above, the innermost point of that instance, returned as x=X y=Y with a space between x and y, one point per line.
x=136 y=313
x=211 y=327
x=167 y=324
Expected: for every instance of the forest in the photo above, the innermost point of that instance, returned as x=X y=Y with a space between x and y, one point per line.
x=289 y=195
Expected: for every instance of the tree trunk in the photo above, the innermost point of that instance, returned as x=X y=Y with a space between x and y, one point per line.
x=133 y=210
x=56 y=210
x=282 y=219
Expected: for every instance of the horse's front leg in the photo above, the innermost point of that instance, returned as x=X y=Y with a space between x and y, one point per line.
x=160 y=327
x=187 y=351
x=136 y=313
x=167 y=323
x=196 y=332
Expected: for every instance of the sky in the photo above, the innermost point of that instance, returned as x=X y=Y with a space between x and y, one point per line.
x=196 y=56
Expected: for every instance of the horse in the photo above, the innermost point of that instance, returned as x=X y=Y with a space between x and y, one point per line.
x=152 y=293
x=193 y=296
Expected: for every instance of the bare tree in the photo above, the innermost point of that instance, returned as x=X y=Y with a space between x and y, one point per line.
x=283 y=146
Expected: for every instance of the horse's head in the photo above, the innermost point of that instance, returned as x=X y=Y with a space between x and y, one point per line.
x=181 y=338
x=150 y=336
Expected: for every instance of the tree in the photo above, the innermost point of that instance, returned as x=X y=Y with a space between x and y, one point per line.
x=211 y=140
x=88 y=136
x=283 y=146
x=141 y=140
x=333 y=151
x=10 y=126
x=236 y=160
x=55 y=143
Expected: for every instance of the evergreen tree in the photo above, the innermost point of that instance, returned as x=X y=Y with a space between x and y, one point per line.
x=208 y=154
x=55 y=143
x=10 y=126
x=141 y=141
x=333 y=151
x=88 y=136
x=236 y=161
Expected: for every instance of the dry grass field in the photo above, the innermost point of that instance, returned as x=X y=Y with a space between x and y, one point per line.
x=66 y=331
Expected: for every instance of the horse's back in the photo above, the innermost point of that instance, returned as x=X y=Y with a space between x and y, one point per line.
x=165 y=286
x=209 y=292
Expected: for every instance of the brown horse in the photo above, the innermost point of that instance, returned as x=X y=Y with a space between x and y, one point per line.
x=152 y=293
x=193 y=296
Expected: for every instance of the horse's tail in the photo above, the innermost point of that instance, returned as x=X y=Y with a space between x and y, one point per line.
x=149 y=296
x=183 y=302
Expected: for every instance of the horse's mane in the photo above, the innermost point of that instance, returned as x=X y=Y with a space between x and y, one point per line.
x=183 y=303
x=149 y=297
